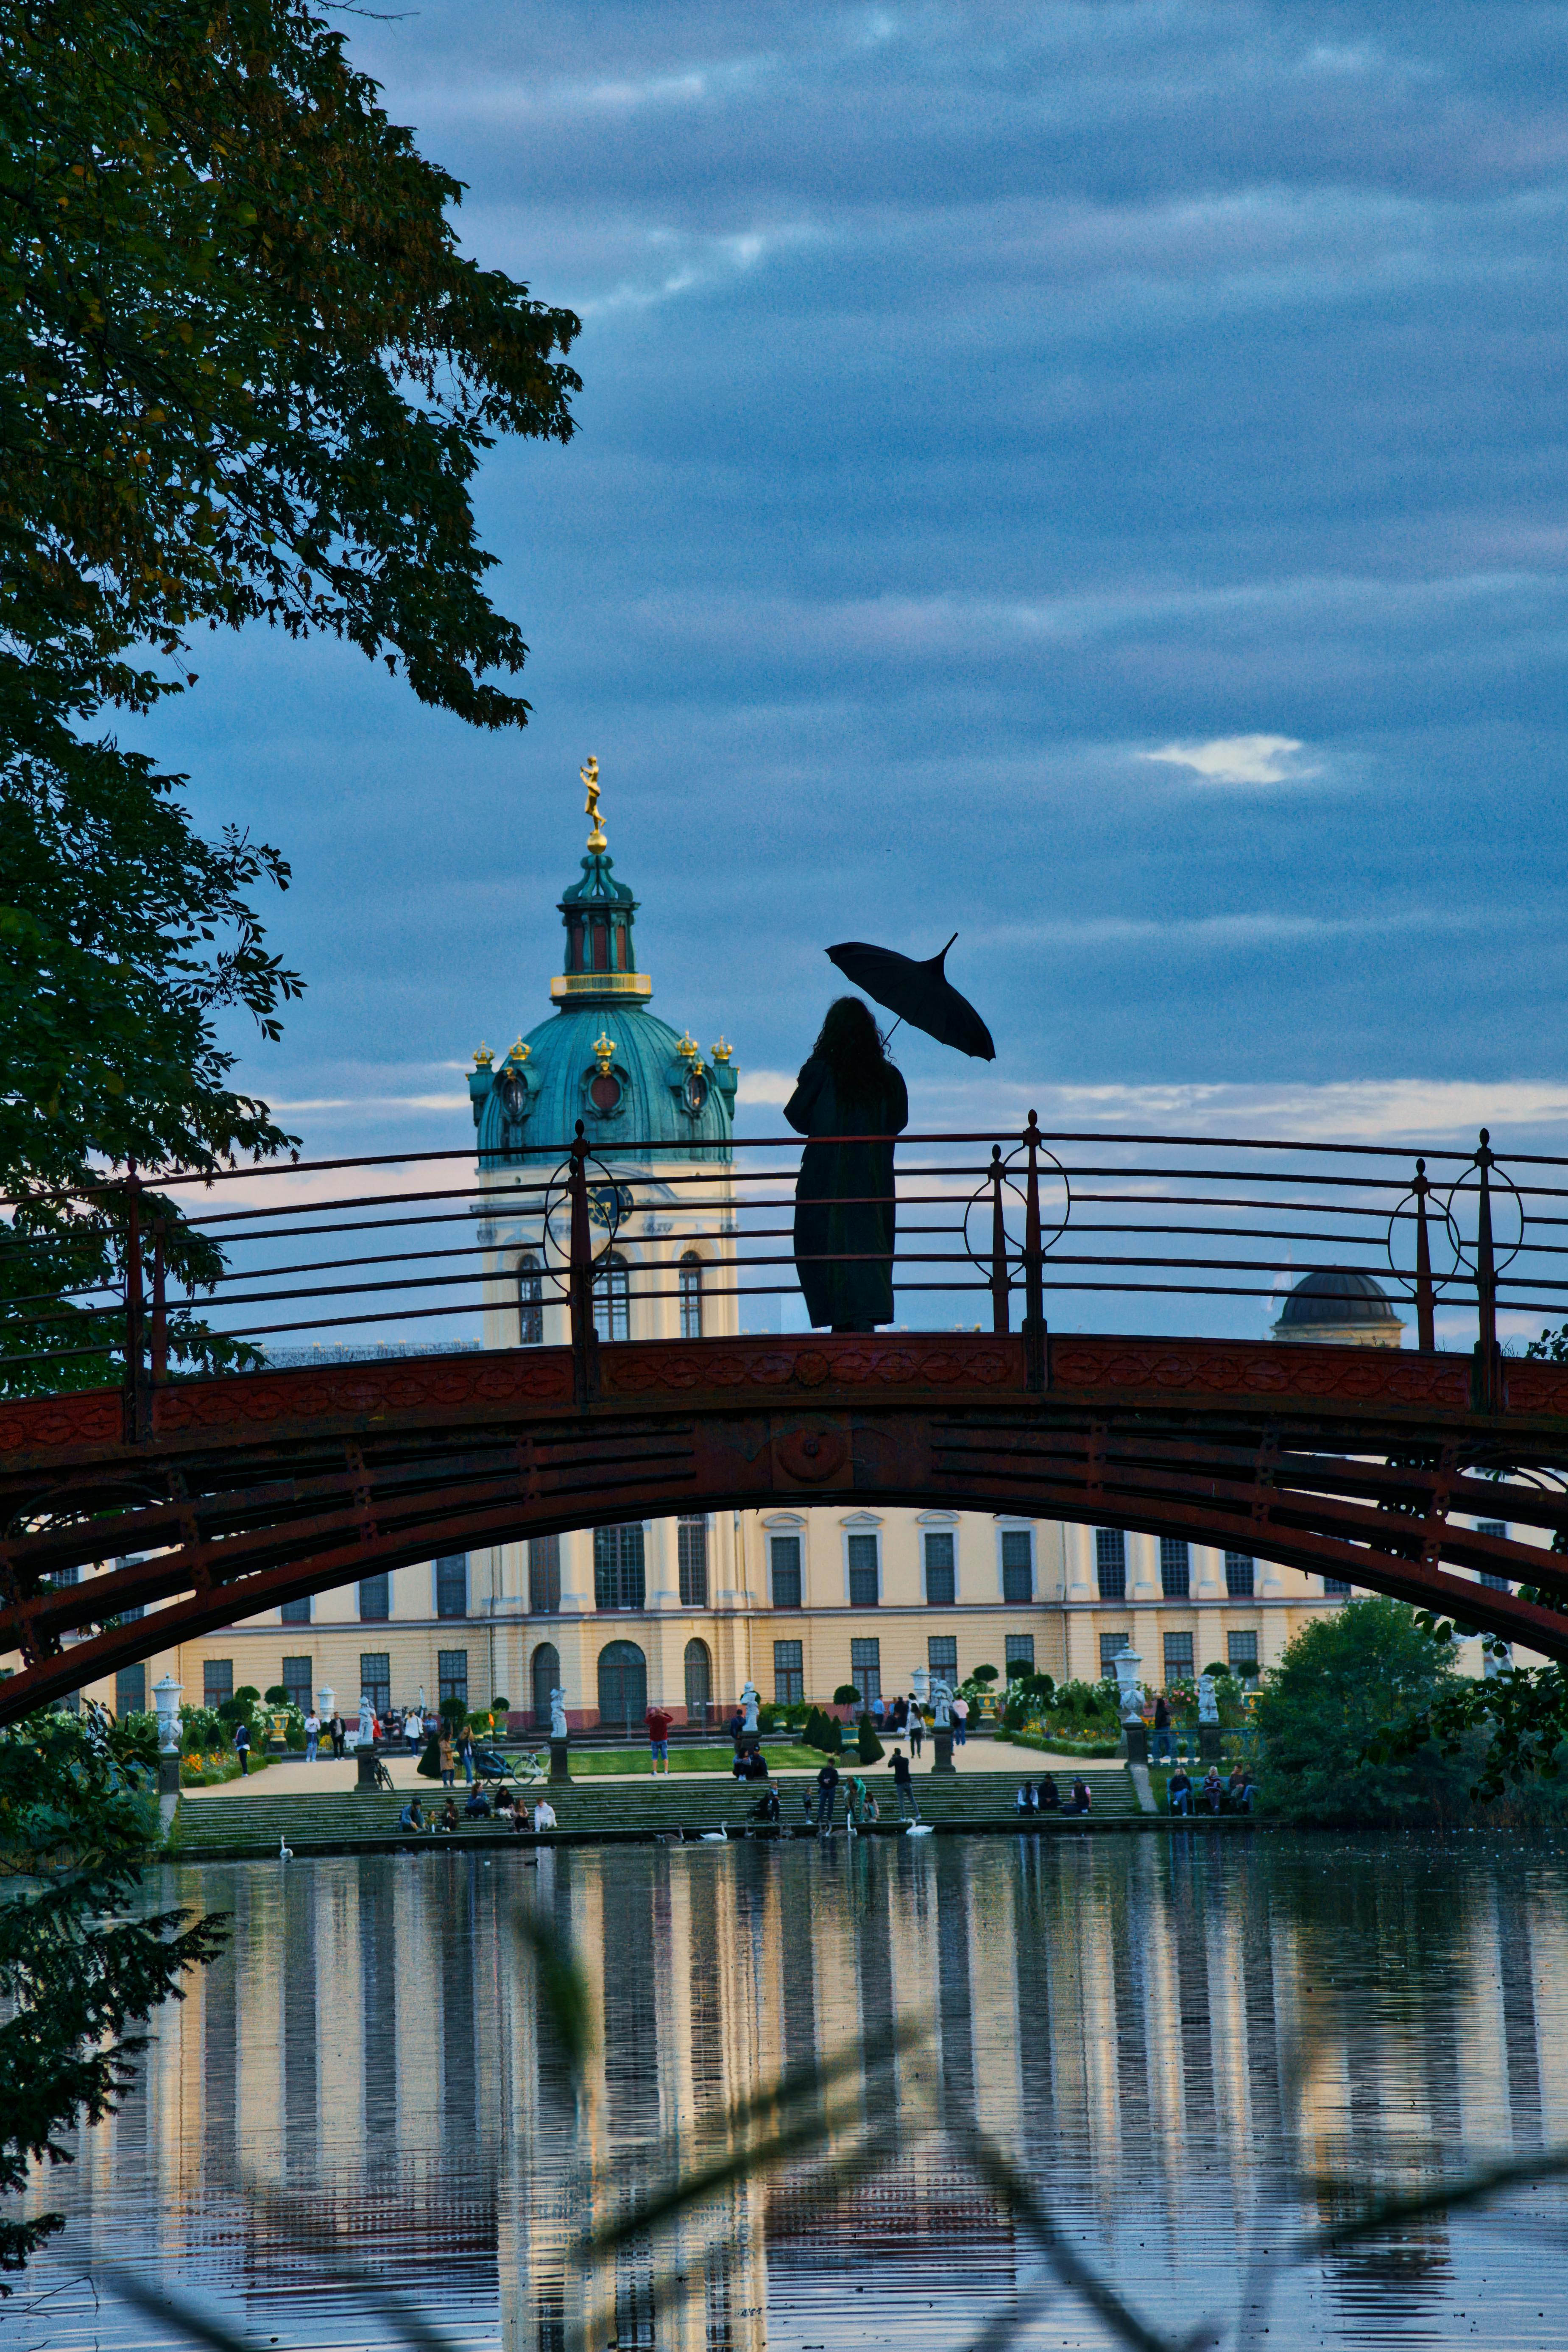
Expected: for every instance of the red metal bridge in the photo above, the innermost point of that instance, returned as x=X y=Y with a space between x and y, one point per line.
x=202 y=1497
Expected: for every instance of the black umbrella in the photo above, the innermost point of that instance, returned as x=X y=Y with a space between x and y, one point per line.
x=920 y=994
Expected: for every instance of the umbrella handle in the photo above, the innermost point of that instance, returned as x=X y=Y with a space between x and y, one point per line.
x=897 y=1025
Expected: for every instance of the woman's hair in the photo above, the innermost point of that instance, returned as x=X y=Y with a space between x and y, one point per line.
x=850 y=1042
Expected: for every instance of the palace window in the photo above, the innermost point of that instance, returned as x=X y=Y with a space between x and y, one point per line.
x=1240 y=1575
x=862 y=1571
x=1175 y=1568
x=374 y=1599
x=1019 y=1654
x=1497 y=1527
x=690 y=1296
x=530 y=1302
x=1110 y=1563
x=1336 y=1586
x=691 y=1541
x=1178 y=1657
x=375 y=1680
x=865 y=1669
x=1241 y=1649
x=296 y=1679
x=296 y=1612
x=784 y=1553
x=618 y=1580
x=452 y=1673
x=698 y=1682
x=131 y=1691
x=789 y=1675
x=1110 y=1648
x=942 y=1655
x=1017 y=1566
x=612 y=1299
x=544 y=1576
x=217 y=1681
x=452 y=1585
x=941 y=1572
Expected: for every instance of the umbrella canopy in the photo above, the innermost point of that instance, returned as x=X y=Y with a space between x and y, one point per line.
x=920 y=994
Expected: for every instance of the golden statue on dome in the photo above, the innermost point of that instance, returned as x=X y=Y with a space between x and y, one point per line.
x=590 y=775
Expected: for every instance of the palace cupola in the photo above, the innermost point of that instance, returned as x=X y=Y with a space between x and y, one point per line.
x=640 y=1090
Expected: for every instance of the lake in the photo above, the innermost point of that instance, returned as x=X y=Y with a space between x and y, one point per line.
x=1194 y=2052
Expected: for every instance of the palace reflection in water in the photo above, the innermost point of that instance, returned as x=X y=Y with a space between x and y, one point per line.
x=1169 y=2035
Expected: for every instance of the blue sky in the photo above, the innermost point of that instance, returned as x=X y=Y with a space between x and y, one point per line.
x=985 y=410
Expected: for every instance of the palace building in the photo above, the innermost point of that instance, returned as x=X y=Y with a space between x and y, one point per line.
x=684 y=1611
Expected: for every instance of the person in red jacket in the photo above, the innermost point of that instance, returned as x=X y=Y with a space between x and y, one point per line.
x=658 y=1720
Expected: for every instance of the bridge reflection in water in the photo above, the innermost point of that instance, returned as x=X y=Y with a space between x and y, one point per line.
x=1120 y=2015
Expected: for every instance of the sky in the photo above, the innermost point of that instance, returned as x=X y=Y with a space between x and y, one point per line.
x=1089 y=478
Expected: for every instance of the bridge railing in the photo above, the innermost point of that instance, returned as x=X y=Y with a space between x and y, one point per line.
x=414 y=1253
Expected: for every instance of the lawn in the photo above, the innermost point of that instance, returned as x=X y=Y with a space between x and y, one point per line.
x=628 y=1762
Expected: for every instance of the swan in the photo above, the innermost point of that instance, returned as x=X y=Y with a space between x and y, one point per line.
x=920 y=1829
x=285 y=1852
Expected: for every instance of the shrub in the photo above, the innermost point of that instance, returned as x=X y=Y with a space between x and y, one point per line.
x=847 y=1696
x=867 y=1747
x=1342 y=1680
x=452 y=1711
x=767 y=1717
x=134 y=1740
x=501 y=1707
x=984 y=1675
x=277 y=1695
x=203 y=1731
x=1218 y=1667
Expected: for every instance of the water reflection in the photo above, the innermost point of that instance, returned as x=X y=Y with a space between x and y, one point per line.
x=1175 y=2039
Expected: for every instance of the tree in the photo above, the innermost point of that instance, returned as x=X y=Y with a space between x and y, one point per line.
x=1345 y=1681
x=77 y=1825
x=246 y=374
x=847 y=1694
x=867 y=1747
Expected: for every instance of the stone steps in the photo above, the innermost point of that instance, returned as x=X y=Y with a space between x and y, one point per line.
x=606 y=1808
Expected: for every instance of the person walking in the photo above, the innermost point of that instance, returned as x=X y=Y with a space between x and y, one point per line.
x=444 y=1752
x=658 y=1720
x=1164 y=1742
x=878 y=1712
x=826 y=1789
x=466 y=1754
x=242 y=1747
x=312 y=1735
x=916 y=1727
x=414 y=1729
x=961 y=1722
x=904 y=1787
x=844 y=1213
x=339 y=1730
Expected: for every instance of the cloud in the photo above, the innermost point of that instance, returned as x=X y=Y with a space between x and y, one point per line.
x=1236 y=758
x=774 y=1087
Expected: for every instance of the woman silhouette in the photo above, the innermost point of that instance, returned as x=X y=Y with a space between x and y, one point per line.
x=845 y=1207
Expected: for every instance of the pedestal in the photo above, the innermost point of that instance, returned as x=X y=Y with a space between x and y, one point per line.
x=559 y=1768
x=1208 y=1743
x=747 y=1742
x=941 y=1761
x=168 y=1774
x=1136 y=1735
x=364 y=1758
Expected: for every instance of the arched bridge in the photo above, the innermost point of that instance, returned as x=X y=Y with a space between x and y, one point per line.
x=247 y=1491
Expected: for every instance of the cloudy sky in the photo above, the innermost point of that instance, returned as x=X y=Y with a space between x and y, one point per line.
x=1088 y=476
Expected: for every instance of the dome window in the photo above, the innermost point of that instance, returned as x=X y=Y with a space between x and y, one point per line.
x=604 y=1092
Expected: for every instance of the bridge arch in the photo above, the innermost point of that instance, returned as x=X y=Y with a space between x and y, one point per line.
x=253 y=1490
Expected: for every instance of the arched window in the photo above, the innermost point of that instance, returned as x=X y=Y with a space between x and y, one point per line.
x=546 y=1678
x=530 y=1302
x=611 y=1299
x=622 y=1685
x=699 y=1683
x=691 y=1295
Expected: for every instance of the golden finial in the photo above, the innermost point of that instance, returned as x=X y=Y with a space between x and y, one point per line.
x=590 y=775
x=484 y=1057
x=520 y=1051
x=603 y=1052
x=723 y=1052
x=690 y=1051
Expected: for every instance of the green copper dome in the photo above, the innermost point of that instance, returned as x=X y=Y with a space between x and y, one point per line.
x=641 y=1091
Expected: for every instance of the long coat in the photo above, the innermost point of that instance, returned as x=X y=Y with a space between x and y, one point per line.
x=845 y=1211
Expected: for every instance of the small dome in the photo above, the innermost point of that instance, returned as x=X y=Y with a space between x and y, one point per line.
x=1334 y=1295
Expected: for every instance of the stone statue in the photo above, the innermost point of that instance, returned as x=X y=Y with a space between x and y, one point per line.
x=749 y=1706
x=920 y=1684
x=366 y=1722
x=558 y=1714
x=941 y=1700
x=1129 y=1689
x=1208 y=1702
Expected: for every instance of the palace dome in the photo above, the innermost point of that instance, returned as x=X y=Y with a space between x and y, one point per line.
x=642 y=1091
x=1334 y=1304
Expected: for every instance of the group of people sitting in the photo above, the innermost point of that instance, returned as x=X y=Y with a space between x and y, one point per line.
x=1045 y=1797
x=481 y=1807
x=1214 y=1795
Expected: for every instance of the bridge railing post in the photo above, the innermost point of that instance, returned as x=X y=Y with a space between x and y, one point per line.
x=580 y=1291
x=136 y=1417
x=160 y=1307
x=1034 y=1266
x=999 y=1284
x=1487 y=1382
x=1425 y=1334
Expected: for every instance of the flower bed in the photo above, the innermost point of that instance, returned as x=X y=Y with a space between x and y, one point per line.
x=1050 y=1744
x=212 y=1771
